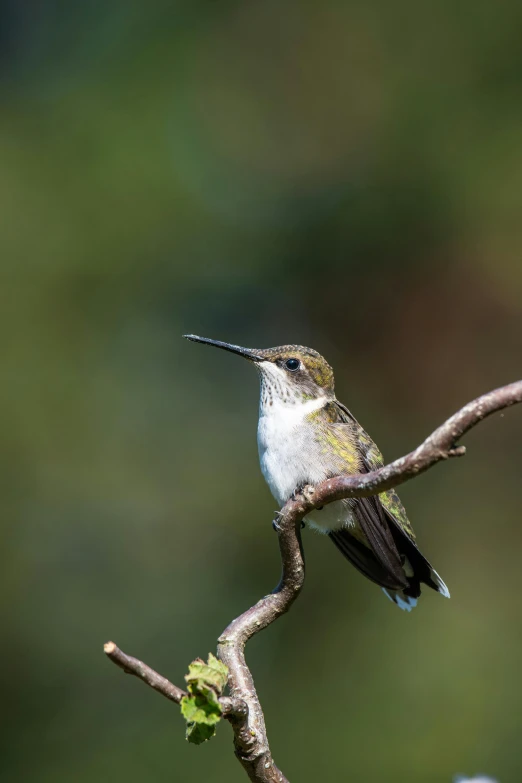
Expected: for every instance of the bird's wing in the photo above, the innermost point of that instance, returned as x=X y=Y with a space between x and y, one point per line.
x=369 y=512
x=373 y=459
x=364 y=559
x=395 y=512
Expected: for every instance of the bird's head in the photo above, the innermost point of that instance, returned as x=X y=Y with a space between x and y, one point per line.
x=289 y=373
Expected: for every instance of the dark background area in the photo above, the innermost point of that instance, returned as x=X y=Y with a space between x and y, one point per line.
x=340 y=175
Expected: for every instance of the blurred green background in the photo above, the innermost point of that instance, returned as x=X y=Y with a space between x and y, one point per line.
x=342 y=175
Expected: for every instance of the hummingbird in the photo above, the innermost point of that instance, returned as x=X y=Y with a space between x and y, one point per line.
x=305 y=436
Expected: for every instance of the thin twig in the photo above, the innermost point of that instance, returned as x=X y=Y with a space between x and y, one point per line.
x=132 y=665
x=244 y=710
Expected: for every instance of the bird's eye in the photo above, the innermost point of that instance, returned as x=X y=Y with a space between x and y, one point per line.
x=292 y=364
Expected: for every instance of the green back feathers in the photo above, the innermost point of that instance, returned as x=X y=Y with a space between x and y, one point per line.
x=358 y=451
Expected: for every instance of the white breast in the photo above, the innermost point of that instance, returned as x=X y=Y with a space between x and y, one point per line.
x=285 y=444
x=290 y=457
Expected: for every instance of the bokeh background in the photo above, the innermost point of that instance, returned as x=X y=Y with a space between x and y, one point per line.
x=342 y=175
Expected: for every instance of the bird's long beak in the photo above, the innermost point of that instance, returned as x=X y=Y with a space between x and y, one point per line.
x=246 y=353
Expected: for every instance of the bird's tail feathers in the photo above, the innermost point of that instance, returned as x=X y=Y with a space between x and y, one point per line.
x=408 y=602
x=440 y=585
x=399 y=597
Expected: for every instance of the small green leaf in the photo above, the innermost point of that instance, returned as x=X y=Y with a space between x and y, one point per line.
x=212 y=675
x=197 y=733
x=197 y=709
x=201 y=708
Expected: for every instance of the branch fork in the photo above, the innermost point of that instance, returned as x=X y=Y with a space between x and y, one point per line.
x=242 y=707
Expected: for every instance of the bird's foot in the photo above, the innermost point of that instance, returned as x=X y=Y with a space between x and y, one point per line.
x=277 y=527
x=297 y=492
x=275 y=522
x=304 y=490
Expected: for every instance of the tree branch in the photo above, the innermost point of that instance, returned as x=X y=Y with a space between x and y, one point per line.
x=440 y=445
x=250 y=738
x=243 y=708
